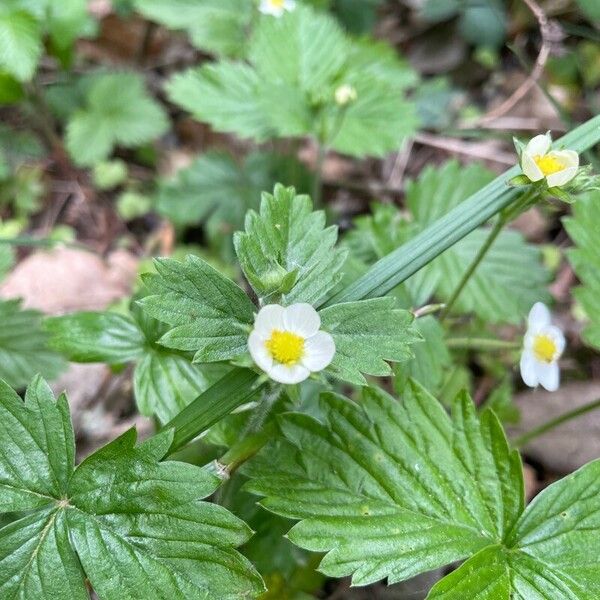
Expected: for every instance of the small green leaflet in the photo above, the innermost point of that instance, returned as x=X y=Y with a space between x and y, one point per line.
x=164 y=381
x=287 y=88
x=367 y=334
x=584 y=229
x=286 y=250
x=392 y=489
x=24 y=346
x=118 y=111
x=210 y=314
x=217 y=26
x=20 y=42
x=133 y=526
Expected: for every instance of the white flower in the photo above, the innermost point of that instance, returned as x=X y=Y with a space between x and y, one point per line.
x=345 y=94
x=276 y=8
x=557 y=166
x=543 y=346
x=286 y=342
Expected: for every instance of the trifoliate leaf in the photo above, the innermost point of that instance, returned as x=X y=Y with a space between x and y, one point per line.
x=164 y=381
x=584 y=229
x=133 y=526
x=20 y=42
x=210 y=314
x=118 y=111
x=367 y=334
x=217 y=26
x=287 y=251
x=296 y=64
x=391 y=489
x=24 y=346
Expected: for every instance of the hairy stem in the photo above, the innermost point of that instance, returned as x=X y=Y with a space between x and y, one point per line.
x=527 y=437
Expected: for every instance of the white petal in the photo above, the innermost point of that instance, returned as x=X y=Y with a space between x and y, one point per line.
x=528 y=369
x=318 y=351
x=558 y=337
x=539 y=317
x=530 y=167
x=285 y=374
x=258 y=351
x=548 y=375
x=539 y=145
x=568 y=158
x=302 y=319
x=269 y=317
x=289 y=5
x=561 y=177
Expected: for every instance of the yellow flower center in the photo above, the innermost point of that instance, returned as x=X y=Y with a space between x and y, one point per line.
x=544 y=348
x=548 y=164
x=277 y=3
x=285 y=347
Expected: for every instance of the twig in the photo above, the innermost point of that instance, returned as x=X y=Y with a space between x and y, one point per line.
x=481 y=151
x=536 y=73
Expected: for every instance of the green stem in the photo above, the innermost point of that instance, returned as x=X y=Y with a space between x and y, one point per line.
x=524 y=439
x=466 y=343
x=494 y=233
x=246 y=448
x=231 y=391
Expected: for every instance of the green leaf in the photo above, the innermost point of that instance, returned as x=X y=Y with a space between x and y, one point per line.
x=24 y=346
x=133 y=526
x=217 y=26
x=96 y=337
x=20 y=42
x=584 y=229
x=391 y=489
x=509 y=280
x=211 y=315
x=366 y=334
x=217 y=190
x=590 y=9
x=118 y=111
x=226 y=95
x=431 y=358
x=286 y=249
x=164 y=383
x=302 y=49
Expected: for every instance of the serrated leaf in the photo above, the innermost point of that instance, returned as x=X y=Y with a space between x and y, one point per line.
x=303 y=49
x=118 y=111
x=217 y=26
x=96 y=337
x=392 y=489
x=584 y=229
x=367 y=334
x=210 y=314
x=20 y=42
x=135 y=526
x=430 y=361
x=24 y=346
x=287 y=251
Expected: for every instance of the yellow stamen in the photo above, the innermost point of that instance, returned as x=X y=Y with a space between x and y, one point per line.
x=285 y=347
x=277 y=3
x=548 y=164
x=544 y=348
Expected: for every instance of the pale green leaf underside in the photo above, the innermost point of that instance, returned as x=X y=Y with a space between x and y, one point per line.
x=20 y=43
x=135 y=525
x=391 y=489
